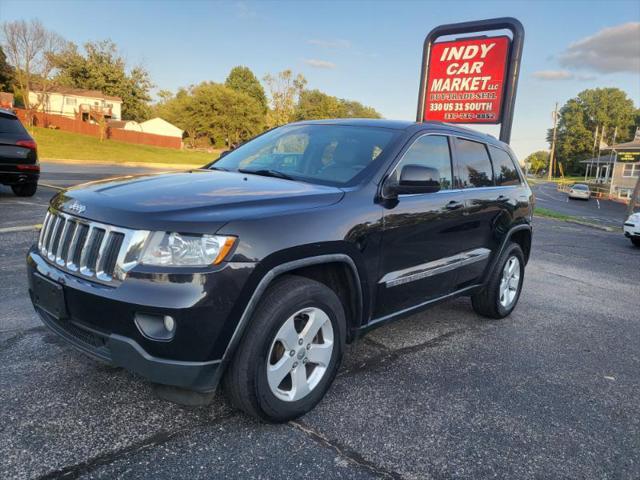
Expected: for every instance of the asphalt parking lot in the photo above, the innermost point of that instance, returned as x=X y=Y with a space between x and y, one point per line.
x=551 y=392
x=603 y=212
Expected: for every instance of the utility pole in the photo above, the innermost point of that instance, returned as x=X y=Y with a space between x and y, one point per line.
x=553 y=142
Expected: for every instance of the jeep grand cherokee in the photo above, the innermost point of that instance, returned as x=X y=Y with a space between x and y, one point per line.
x=256 y=270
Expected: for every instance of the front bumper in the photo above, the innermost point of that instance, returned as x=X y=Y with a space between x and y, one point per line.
x=631 y=229
x=100 y=320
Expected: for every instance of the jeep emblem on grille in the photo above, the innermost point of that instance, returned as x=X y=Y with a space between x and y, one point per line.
x=76 y=207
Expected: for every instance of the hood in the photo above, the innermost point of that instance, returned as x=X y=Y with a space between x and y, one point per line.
x=198 y=201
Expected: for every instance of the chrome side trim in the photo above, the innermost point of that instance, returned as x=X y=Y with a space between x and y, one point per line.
x=436 y=267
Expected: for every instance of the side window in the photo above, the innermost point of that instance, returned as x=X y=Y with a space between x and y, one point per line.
x=474 y=166
x=429 y=151
x=503 y=167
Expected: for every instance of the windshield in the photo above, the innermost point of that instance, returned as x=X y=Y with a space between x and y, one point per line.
x=325 y=154
x=580 y=187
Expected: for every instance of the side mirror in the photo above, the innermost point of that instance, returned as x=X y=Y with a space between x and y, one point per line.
x=417 y=179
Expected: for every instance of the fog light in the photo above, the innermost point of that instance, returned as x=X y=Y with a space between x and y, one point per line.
x=156 y=327
x=169 y=323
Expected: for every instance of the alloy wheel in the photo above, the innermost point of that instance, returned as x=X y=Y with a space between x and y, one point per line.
x=300 y=354
x=509 y=282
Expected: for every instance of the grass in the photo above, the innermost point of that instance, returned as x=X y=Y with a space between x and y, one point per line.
x=56 y=144
x=545 y=212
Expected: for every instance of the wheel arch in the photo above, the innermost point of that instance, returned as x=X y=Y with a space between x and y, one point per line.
x=520 y=234
x=320 y=268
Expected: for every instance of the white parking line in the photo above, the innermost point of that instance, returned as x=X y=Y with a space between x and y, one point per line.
x=50 y=186
x=31 y=204
x=22 y=228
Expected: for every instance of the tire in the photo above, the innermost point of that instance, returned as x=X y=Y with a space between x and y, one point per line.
x=635 y=241
x=247 y=383
x=25 y=189
x=489 y=301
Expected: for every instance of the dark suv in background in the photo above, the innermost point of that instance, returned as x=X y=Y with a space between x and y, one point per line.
x=19 y=167
x=259 y=268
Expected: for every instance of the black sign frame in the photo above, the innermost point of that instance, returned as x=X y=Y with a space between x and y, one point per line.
x=512 y=71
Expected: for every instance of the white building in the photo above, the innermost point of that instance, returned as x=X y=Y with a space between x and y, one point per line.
x=76 y=102
x=158 y=126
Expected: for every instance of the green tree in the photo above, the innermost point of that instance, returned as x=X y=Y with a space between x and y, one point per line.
x=6 y=73
x=607 y=108
x=101 y=67
x=353 y=109
x=241 y=79
x=538 y=161
x=316 y=105
x=213 y=114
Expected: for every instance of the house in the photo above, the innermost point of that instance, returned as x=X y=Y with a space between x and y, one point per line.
x=79 y=103
x=158 y=126
x=6 y=100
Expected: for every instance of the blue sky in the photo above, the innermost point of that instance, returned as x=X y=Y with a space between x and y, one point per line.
x=366 y=51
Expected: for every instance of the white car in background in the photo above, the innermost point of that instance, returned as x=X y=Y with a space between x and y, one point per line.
x=632 y=228
x=579 y=190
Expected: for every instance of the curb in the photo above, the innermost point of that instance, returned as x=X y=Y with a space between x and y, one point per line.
x=157 y=166
x=579 y=222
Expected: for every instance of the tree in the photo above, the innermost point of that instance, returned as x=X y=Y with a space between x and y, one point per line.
x=284 y=89
x=241 y=79
x=32 y=50
x=6 y=73
x=538 y=161
x=316 y=105
x=353 y=109
x=215 y=113
x=607 y=108
x=102 y=68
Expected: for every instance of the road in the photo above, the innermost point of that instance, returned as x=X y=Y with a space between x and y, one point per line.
x=550 y=392
x=603 y=212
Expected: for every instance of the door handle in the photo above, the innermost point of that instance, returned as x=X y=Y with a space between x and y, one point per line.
x=454 y=205
x=502 y=198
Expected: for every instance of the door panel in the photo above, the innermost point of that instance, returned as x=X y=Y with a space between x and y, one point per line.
x=419 y=233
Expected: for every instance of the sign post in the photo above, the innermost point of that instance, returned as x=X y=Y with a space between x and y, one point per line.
x=471 y=79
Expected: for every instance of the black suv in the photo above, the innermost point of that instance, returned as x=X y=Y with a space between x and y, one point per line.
x=19 y=165
x=258 y=268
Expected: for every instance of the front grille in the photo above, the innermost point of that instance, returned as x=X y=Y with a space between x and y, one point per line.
x=88 y=249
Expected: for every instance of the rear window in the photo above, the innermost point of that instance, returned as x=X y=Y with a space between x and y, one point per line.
x=474 y=166
x=503 y=167
x=580 y=187
x=10 y=124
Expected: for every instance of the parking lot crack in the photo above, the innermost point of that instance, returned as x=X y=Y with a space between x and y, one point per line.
x=157 y=439
x=392 y=355
x=345 y=452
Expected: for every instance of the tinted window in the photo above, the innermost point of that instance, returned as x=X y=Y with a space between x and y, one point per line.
x=474 y=166
x=326 y=154
x=503 y=167
x=10 y=124
x=429 y=151
x=579 y=186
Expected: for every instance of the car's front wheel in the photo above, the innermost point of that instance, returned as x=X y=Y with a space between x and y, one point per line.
x=290 y=352
x=635 y=241
x=25 y=189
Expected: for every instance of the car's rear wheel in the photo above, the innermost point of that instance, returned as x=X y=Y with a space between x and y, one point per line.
x=500 y=295
x=290 y=352
x=25 y=189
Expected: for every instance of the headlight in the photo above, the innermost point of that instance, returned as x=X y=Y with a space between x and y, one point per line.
x=179 y=250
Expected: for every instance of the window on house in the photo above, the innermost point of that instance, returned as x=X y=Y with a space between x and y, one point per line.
x=70 y=101
x=631 y=170
x=625 y=193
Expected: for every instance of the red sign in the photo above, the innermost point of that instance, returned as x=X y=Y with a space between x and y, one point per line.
x=466 y=80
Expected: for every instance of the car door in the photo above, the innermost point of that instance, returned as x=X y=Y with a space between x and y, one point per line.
x=474 y=175
x=420 y=233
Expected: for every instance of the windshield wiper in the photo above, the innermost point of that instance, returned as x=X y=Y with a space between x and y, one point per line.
x=267 y=173
x=221 y=169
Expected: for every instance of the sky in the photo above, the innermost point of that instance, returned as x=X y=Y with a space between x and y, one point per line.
x=360 y=50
